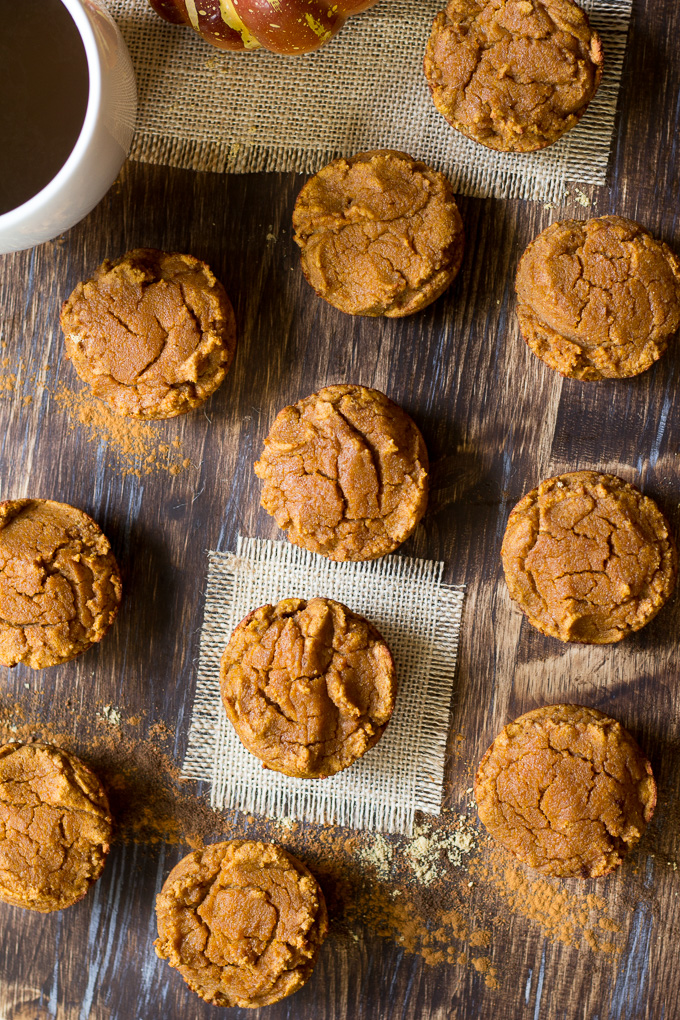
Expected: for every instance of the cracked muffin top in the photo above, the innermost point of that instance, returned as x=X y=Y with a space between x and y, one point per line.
x=55 y=827
x=513 y=75
x=566 y=790
x=598 y=299
x=345 y=473
x=60 y=587
x=153 y=334
x=242 y=922
x=588 y=558
x=380 y=234
x=308 y=686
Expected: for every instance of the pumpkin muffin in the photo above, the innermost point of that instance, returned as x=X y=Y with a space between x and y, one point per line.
x=566 y=790
x=380 y=234
x=153 y=334
x=345 y=473
x=242 y=922
x=308 y=686
x=598 y=299
x=60 y=586
x=588 y=558
x=55 y=827
x=513 y=75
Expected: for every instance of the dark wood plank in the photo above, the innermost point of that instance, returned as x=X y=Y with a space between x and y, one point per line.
x=496 y=421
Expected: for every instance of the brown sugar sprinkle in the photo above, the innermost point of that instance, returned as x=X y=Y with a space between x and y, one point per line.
x=439 y=893
x=133 y=443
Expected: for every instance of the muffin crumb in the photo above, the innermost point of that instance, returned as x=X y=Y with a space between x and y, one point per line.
x=242 y=921
x=380 y=234
x=588 y=558
x=153 y=334
x=345 y=473
x=566 y=790
x=309 y=686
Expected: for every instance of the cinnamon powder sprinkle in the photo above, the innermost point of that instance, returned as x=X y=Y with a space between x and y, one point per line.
x=438 y=894
x=572 y=918
x=133 y=443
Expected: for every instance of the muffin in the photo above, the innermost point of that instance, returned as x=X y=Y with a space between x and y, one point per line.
x=598 y=299
x=588 y=558
x=55 y=827
x=345 y=473
x=513 y=75
x=152 y=334
x=566 y=790
x=60 y=586
x=242 y=922
x=380 y=234
x=308 y=686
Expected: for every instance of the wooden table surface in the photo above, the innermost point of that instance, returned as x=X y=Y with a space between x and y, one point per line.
x=496 y=421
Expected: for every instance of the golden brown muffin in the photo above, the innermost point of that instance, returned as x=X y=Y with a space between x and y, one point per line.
x=153 y=334
x=308 y=686
x=513 y=75
x=345 y=473
x=588 y=558
x=598 y=299
x=566 y=790
x=380 y=234
x=242 y=922
x=55 y=827
x=60 y=587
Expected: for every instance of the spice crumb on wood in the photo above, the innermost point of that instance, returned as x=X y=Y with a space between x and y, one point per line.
x=415 y=891
x=135 y=446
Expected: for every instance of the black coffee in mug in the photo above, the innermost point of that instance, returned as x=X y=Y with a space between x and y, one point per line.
x=44 y=87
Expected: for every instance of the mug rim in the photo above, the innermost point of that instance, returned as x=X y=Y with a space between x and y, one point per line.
x=33 y=204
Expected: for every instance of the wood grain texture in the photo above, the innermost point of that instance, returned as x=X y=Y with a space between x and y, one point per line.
x=495 y=420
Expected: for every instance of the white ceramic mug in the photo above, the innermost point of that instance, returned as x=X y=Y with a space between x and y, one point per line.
x=102 y=144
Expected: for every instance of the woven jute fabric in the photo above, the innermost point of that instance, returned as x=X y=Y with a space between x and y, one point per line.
x=205 y=109
x=419 y=618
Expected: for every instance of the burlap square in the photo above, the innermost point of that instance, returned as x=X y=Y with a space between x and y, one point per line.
x=420 y=620
x=209 y=110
